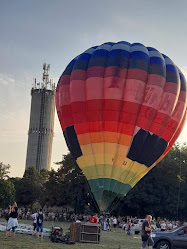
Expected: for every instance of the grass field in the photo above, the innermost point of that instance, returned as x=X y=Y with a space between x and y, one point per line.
x=109 y=240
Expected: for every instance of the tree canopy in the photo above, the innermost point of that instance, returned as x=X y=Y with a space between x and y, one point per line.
x=7 y=190
x=162 y=192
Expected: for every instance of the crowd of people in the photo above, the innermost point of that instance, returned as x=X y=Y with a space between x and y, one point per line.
x=119 y=221
x=108 y=222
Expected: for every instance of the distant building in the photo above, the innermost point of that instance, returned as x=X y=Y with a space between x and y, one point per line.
x=41 y=127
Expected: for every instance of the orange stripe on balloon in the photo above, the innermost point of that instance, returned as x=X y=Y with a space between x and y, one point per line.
x=109 y=137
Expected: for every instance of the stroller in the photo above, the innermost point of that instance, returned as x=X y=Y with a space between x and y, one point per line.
x=58 y=236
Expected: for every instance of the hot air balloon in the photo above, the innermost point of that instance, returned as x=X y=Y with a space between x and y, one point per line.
x=121 y=107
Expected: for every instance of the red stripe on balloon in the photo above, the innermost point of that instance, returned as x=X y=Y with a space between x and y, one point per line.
x=174 y=138
x=166 y=108
x=137 y=74
x=146 y=117
x=157 y=80
x=114 y=71
x=172 y=88
x=66 y=118
x=78 y=74
x=95 y=72
x=176 y=117
x=64 y=80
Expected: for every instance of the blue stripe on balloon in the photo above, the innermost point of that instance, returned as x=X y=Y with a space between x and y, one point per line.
x=157 y=60
x=109 y=43
x=171 y=68
x=122 y=46
x=138 y=64
x=137 y=44
x=152 y=49
x=139 y=55
x=84 y=56
x=69 y=68
x=165 y=56
x=117 y=61
x=124 y=42
x=81 y=64
x=100 y=52
x=183 y=82
x=97 y=61
x=119 y=52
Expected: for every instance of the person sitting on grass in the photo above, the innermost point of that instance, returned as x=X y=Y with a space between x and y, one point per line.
x=39 y=228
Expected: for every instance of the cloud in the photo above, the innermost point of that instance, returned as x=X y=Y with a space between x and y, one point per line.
x=6 y=79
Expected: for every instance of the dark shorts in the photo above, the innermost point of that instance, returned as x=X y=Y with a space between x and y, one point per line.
x=13 y=229
x=39 y=228
x=114 y=225
x=34 y=226
x=149 y=242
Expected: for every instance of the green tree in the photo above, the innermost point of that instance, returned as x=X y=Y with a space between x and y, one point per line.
x=4 y=171
x=51 y=194
x=7 y=190
x=157 y=193
x=29 y=188
x=6 y=193
x=73 y=186
x=162 y=192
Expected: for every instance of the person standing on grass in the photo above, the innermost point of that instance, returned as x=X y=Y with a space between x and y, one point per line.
x=34 y=216
x=12 y=221
x=7 y=216
x=115 y=222
x=39 y=228
x=132 y=232
x=146 y=233
x=108 y=224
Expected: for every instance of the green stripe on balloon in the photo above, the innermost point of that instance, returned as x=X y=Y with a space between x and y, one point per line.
x=104 y=194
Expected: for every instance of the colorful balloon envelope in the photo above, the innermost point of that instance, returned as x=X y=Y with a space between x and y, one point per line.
x=121 y=107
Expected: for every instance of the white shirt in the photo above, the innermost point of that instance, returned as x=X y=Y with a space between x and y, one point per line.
x=35 y=217
x=163 y=225
x=115 y=221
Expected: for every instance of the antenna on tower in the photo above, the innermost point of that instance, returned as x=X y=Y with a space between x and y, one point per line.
x=46 y=68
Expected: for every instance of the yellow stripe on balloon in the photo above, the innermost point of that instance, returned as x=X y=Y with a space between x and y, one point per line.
x=122 y=150
x=129 y=174
x=97 y=148
x=101 y=148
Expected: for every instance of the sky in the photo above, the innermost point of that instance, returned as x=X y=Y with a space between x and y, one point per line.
x=36 y=31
